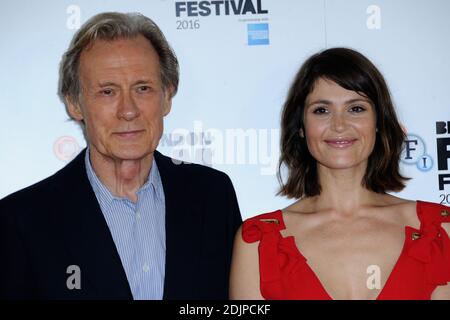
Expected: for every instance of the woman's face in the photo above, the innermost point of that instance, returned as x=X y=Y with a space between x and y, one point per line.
x=340 y=126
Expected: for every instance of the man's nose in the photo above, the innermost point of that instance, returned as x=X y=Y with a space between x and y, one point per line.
x=128 y=109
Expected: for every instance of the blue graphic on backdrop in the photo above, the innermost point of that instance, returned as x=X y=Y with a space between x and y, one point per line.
x=258 y=34
x=414 y=152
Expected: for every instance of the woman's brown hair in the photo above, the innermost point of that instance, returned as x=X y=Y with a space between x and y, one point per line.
x=352 y=71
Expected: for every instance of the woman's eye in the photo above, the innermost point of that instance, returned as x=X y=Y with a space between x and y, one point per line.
x=357 y=109
x=320 y=110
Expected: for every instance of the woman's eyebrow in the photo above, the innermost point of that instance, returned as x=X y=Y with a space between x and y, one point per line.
x=328 y=102
x=320 y=101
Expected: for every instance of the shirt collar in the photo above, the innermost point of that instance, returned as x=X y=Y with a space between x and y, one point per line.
x=153 y=181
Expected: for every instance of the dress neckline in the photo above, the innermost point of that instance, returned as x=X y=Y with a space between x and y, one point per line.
x=408 y=237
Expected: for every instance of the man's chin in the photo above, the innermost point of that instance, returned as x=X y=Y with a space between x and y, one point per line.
x=123 y=153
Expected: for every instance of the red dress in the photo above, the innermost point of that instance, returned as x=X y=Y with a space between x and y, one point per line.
x=423 y=264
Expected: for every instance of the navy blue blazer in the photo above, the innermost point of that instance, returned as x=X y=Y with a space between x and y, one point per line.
x=58 y=222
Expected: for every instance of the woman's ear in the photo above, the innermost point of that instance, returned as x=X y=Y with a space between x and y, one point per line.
x=301 y=133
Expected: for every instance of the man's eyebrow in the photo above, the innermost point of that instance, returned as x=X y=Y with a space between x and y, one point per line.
x=144 y=81
x=107 y=84
x=113 y=84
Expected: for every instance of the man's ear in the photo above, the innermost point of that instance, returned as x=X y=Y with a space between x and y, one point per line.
x=74 y=109
x=167 y=105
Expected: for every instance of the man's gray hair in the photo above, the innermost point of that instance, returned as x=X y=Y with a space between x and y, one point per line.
x=112 y=26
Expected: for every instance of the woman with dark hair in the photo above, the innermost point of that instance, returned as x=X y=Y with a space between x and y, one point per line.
x=345 y=237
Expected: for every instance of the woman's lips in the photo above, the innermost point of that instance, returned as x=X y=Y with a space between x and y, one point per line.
x=340 y=143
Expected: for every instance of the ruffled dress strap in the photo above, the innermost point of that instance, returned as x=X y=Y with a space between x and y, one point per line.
x=255 y=228
x=431 y=245
x=265 y=228
x=278 y=256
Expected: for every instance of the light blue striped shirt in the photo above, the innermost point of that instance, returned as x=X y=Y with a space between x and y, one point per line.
x=138 y=231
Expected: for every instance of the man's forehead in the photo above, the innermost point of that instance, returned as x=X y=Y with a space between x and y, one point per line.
x=136 y=46
x=130 y=54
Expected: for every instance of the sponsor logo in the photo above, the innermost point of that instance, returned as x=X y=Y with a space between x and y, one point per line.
x=258 y=34
x=415 y=153
x=443 y=152
x=66 y=148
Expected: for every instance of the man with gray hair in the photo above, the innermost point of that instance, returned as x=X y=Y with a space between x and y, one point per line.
x=120 y=221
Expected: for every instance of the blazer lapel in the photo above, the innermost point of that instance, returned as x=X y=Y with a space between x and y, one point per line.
x=183 y=229
x=87 y=236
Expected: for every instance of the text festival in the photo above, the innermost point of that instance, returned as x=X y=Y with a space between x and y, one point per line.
x=227 y=7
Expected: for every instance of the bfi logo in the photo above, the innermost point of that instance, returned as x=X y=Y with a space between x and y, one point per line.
x=443 y=152
x=415 y=153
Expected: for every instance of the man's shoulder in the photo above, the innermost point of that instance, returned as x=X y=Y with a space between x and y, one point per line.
x=27 y=194
x=40 y=192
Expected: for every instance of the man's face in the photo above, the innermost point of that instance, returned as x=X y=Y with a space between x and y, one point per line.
x=122 y=99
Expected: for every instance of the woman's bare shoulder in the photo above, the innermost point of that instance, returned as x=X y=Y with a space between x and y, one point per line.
x=400 y=209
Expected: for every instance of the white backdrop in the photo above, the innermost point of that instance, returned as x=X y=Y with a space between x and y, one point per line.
x=235 y=72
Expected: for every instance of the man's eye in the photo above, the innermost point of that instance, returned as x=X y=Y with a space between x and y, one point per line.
x=106 y=92
x=320 y=110
x=143 y=88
